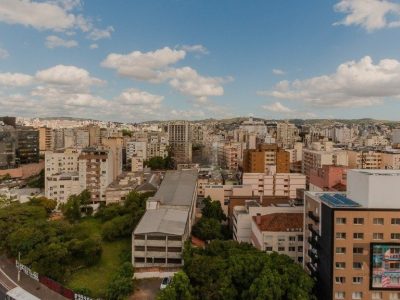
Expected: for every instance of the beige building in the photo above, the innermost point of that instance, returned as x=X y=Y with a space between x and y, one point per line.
x=116 y=192
x=61 y=161
x=282 y=184
x=180 y=141
x=115 y=144
x=61 y=186
x=46 y=139
x=286 y=134
x=230 y=155
x=374 y=159
x=279 y=232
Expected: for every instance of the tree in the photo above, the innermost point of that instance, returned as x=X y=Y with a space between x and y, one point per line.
x=178 y=289
x=48 y=204
x=121 y=284
x=207 y=229
x=72 y=209
x=212 y=209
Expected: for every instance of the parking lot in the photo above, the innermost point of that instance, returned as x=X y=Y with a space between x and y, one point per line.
x=146 y=289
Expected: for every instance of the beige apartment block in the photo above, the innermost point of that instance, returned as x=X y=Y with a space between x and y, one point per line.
x=46 y=139
x=61 y=161
x=61 y=186
x=230 y=155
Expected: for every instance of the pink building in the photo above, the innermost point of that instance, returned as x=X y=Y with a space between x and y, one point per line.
x=328 y=178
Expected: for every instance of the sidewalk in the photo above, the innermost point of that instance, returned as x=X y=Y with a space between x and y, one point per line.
x=28 y=284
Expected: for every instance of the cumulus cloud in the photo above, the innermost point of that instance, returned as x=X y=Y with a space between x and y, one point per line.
x=53 y=41
x=94 y=46
x=15 y=79
x=144 y=65
x=355 y=83
x=195 y=48
x=369 y=14
x=278 y=72
x=98 y=34
x=53 y=15
x=277 y=107
x=138 y=97
x=4 y=53
x=71 y=76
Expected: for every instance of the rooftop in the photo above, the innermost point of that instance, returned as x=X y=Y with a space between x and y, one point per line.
x=336 y=200
x=280 y=222
x=163 y=220
x=177 y=188
x=378 y=172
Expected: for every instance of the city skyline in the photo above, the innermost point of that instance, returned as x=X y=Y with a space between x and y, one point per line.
x=136 y=61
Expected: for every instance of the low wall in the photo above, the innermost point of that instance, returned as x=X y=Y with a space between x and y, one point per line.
x=154 y=274
x=24 y=171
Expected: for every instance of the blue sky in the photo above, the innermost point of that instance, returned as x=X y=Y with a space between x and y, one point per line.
x=191 y=59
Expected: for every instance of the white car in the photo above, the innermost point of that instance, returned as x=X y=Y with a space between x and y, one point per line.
x=165 y=282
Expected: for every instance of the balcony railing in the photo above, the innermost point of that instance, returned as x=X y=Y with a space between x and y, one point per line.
x=313 y=242
x=313 y=217
x=314 y=257
x=311 y=228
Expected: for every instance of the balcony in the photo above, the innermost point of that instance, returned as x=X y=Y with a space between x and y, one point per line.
x=313 y=241
x=314 y=256
x=313 y=217
x=313 y=270
x=311 y=228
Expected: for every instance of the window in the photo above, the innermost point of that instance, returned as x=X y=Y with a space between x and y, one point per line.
x=357 y=295
x=340 y=265
x=395 y=236
x=340 y=250
x=292 y=238
x=357 y=265
x=300 y=238
x=357 y=280
x=394 y=296
x=376 y=295
x=377 y=236
x=292 y=249
x=378 y=221
x=340 y=220
x=358 y=221
x=268 y=248
x=300 y=249
x=340 y=280
x=339 y=295
x=340 y=235
x=358 y=250
x=281 y=248
x=358 y=235
x=395 y=221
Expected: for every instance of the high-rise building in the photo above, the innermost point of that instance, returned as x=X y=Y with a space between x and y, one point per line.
x=115 y=144
x=96 y=172
x=46 y=139
x=352 y=241
x=286 y=134
x=267 y=158
x=230 y=155
x=8 y=147
x=27 y=145
x=180 y=140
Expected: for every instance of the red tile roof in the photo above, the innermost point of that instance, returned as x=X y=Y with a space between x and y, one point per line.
x=280 y=222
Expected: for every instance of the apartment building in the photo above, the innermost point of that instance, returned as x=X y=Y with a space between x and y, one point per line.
x=117 y=191
x=267 y=158
x=295 y=157
x=61 y=161
x=279 y=232
x=370 y=159
x=352 y=241
x=96 y=172
x=46 y=139
x=115 y=144
x=27 y=150
x=158 y=239
x=282 y=184
x=60 y=186
x=320 y=154
x=230 y=155
x=8 y=147
x=286 y=134
x=180 y=141
x=328 y=178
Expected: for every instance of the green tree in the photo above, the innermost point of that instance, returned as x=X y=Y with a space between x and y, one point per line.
x=72 y=209
x=48 y=204
x=178 y=289
x=121 y=284
x=212 y=209
x=207 y=229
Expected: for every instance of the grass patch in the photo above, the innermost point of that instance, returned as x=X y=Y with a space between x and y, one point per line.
x=96 y=278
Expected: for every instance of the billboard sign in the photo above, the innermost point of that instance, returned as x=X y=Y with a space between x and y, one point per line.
x=385 y=266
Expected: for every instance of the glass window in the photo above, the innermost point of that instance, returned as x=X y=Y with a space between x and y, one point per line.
x=377 y=236
x=340 y=250
x=395 y=236
x=357 y=280
x=395 y=221
x=358 y=235
x=358 y=250
x=378 y=221
x=340 y=280
x=358 y=221
x=340 y=220
x=357 y=265
x=340 y=265
x=341 y=235
x=339 y=295
x=376 y=295
x=357 y=295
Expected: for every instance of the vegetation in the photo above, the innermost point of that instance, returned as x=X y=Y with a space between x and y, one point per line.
x=121 y=284
x=229 y=270
x=37 y=181
x=210 y=226
x=5 y=177
x=126 y=132
x=160 y=163
x=76 y=204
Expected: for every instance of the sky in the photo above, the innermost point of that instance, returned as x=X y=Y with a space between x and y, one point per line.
x=142 y=60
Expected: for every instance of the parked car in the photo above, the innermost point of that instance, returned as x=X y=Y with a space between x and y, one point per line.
x=165 y=282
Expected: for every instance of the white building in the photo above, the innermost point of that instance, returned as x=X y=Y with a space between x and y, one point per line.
x=60 y=186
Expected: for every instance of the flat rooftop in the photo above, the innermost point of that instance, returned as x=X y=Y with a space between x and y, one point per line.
x=177 y=188
x=377 y=172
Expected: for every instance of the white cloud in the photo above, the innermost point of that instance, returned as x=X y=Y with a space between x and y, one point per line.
x=355 y=83
x=40 y=15
x=53 y=41
x=144 y=66
x=195 y=48
x=277 y=107
x=98 y=34
x=278 y=72
x=4 y=53
x=94 y=46
x=72 y=76
x=15 y=79
x=187 y=81
x=138 y=97
x=369 y=14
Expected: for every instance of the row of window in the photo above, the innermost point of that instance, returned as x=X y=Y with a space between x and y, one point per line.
x=356 y=250
x=281 y=248
x=375 y=221
x=374 y=295
x=342 y=279
x=360 y=236
x=342 y=265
